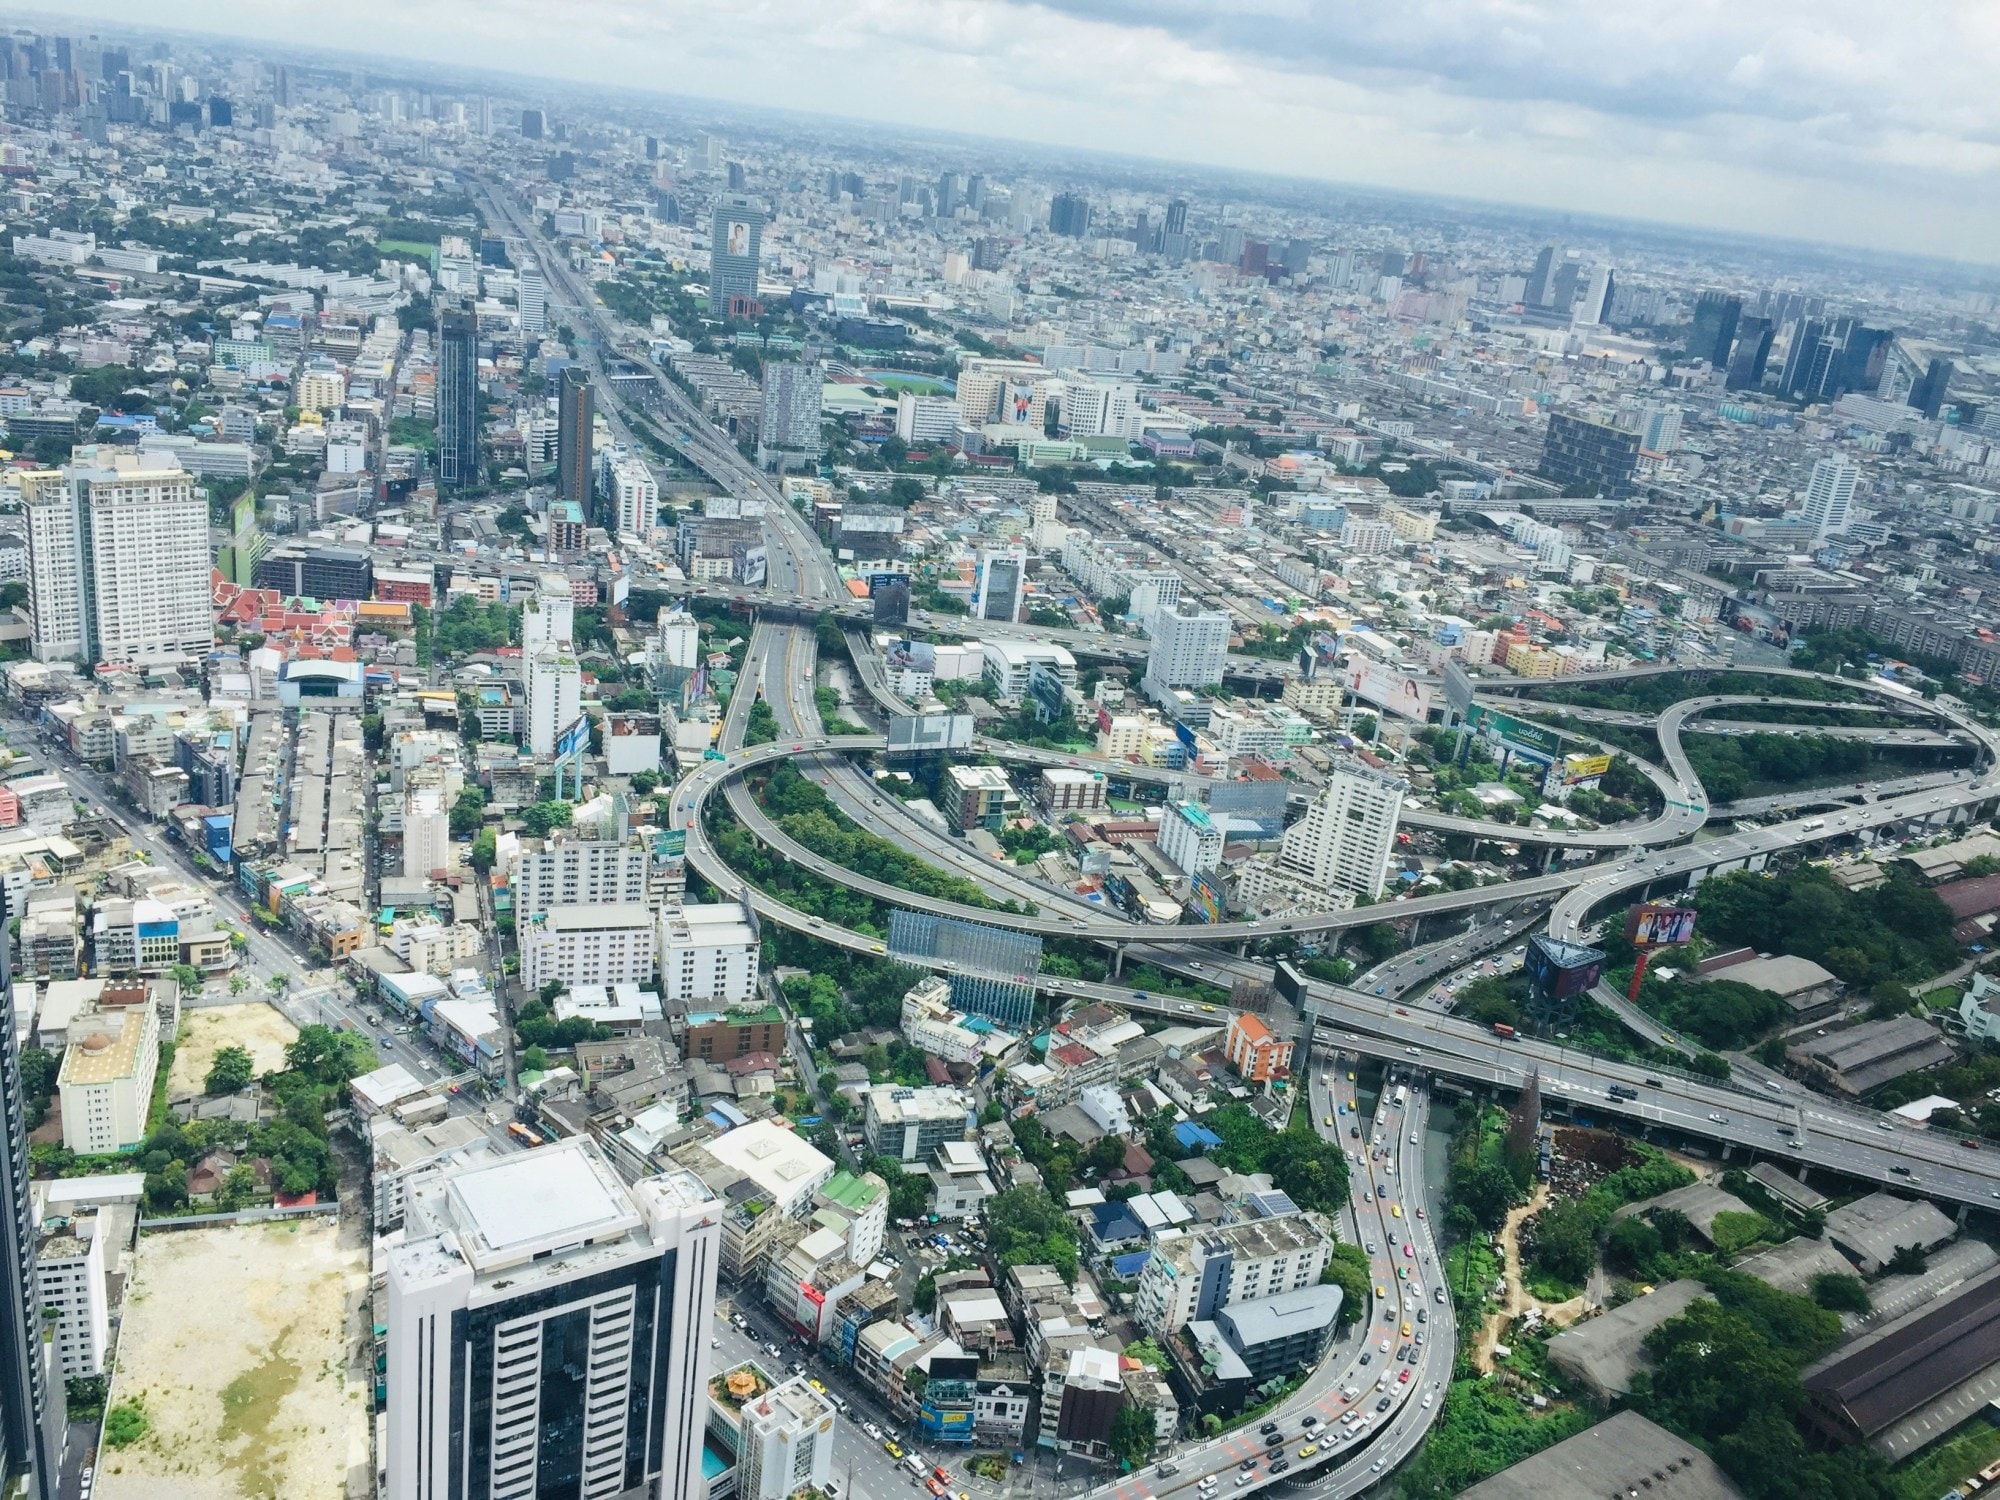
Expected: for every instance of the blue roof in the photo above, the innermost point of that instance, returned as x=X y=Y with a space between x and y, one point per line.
x=1125 y=1267
x=1192 y=1135
x=1110 y=1222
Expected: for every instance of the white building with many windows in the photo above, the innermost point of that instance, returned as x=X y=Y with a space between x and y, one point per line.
x=1341 y=846
x=106 y=1080
x=1190 y=837
x=1188 y=649
x=69 y=1277
x=708 y=953
x=605 y=944
x=785 y=1442
x=548 y=1329
x=567 y=871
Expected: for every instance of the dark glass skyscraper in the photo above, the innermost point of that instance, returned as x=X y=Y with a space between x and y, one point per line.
x=1714 y=330
x=1753 y=351
x=1592 y=456
x=1069 y=213
x=1540 y=279
x=576 y=413
x=458 y=398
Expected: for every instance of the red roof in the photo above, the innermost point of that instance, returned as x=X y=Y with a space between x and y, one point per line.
x=1971 y=898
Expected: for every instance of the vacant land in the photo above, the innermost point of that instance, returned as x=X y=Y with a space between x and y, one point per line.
x=257 y=1026
x=241 y=1344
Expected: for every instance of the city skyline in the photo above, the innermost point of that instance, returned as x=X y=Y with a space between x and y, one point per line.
x=1738 y=138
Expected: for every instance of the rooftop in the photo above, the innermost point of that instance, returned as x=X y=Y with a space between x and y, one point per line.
x=106 y=1053
x=562 y=1195
x=1623 y=1455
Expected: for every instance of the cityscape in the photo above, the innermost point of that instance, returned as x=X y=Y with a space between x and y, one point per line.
x=701 y=801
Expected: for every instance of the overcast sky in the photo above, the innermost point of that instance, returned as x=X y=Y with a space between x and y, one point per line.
x=1834 y=120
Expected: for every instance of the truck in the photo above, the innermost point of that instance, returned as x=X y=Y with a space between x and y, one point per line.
x=1623 y=1091
x=1501 y=1028
x=1812 y=825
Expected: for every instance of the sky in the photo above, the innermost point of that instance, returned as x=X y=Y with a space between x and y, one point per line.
x=1832 y=120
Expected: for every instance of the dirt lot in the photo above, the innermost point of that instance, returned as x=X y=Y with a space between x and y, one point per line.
x=242 y=1345
x=204 y=1032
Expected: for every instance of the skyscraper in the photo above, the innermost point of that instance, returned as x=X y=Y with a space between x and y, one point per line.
x=554 y=689
x=458 y=398
x=1562 y=290
x=1596 y=304
x=1002 y=584
x=118 y=561
x=1592 y=456
x=735 y=250
x=576 y=415
x=1828 y=495
x=1069 y=214
x=534 y=124
x=1928 y=392
x=549 y=1330
x=1714 y=328
x=1188 y=649
x=1541 y=280
x=1795 y=377
x=1177 y=212
x=1753 y=352
x=534 y=299
x=948 y=198
x=32 y=1415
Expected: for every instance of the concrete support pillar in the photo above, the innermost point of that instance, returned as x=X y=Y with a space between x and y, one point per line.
x=1118 y=962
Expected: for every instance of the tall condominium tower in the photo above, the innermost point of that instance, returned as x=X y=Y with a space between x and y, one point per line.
x=1828 y=495
x=458 y=398
x=576 y=415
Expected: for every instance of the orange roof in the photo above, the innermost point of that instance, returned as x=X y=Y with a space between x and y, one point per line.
x=857 y=588
x=1251 y=1027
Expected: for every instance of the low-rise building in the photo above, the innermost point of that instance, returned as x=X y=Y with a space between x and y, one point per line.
x=910 y=1124
x=608 y=944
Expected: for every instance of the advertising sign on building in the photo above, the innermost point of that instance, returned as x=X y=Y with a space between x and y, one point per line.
x=1390 y=690
x=1654 y=926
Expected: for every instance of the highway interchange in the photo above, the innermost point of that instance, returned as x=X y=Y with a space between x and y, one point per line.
x=1348 y=1022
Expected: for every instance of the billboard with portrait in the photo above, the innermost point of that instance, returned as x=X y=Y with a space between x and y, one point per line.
x=1019 y=401
x=1655 y=926
x=1392 y=691
x=1560 y=970
x=738 y=237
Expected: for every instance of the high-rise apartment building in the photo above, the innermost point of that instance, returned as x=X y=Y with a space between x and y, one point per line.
x=555 y=696
x=1593 y=456
x=1188 y=649
x=576 y=416
x=1828 y=496
x=578 y=872
x=788 y=432
x=458 y=398
x=1344 y=841
x=548 y=1330
x=1069 y=214
x=785 y=1440
x=1002 y=584
x=118 y=562
x=1596 y=305
x=735 y=251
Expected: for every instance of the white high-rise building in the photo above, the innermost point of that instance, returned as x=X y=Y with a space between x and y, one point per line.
x=1828 y=495
x=1002 y=585
x=1659 y=427
x=1188 y=650
x=785 y=1442
x=1101 y=408
x=69 y=1277
x=1190 y=837
x=680 y=639
x=549 y=1330
x=1344 y=841
x=1596 y=304
x=426 y=832
x=573 y=945
x=578 y=872
x=555 y=696
x=533 y=300
x=708 y=953
x=548 y=616
x=788 y=429
x=118 y=562
x=635 y=498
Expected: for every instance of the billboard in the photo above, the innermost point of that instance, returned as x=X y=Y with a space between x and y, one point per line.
x=1653 y=926
x=1204 y=900
x=915 y=656
x=736 y=238
x=1457 y=689
x=1559 y=970
x=1516 y=734
x=1388 y=689
x=571 y=740
x=755 y=566
x=1016 y=403
x=670 y=843
x=1584 y=767
x=910 y=733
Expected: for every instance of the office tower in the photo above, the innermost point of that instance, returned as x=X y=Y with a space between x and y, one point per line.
x=1002 y=585
x=32 y=1415
x=1344 y=841
x=738 y=178
x=652 y=148
x=1714 y=328
x=1928 y=392
x=1596 y=306
x=735 y=250
x=1591 y=456
x=118 y=562
x=1562 y=291
x=1177 y=212
x=1828 y=495
x=708 y=151
x=576 y=417
x=948 y=198
x=548 y=1330
x=1753 y=352
x=1256 y=260
x=534 y=124
x=1188 y=649
x=1069 y=214
x=1541 y=280
x=1862 y=360
x=988 y=253
x=221 y=113
x=554 y=691
x=533 y=300
x=1795 y=376
x=458 y=398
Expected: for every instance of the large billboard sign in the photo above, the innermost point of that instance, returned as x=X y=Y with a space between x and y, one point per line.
x=1390 y=690
x=911 y=733
x=1559 y=970
x=1516 y=734
x=1653 y=926
x=572 y=738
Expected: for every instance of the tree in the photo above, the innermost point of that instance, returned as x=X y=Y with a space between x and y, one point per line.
x=537 y=820
x=485 y=850
x=1132 y=1434
x=1347 y=1268
x=237 y=1189
x=468 y=812
x=534 y=1060
x=1838 y=1293
x=329 y=1056
x=187 y=976
x=230 y=1072
x=125 y=1424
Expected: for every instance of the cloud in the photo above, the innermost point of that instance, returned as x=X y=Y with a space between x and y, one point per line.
x=1828 y=120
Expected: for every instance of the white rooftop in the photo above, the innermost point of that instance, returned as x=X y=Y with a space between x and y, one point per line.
x=560 y=1196
x=777 y=1160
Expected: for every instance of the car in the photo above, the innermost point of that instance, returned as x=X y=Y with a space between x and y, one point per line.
x=1209 y=1008
x=891 y=1448
x=1207 y=1484
x=1328 y=1122
x=1422 y=1316
x=1396 y=1209
x=1409 y=1252
x=1404 y=1378
x=1384 y=1346
x=1420 y=1212
x=1243 y=1479
x=715 y=1343
x=1900 y=1170
x=1310 y=1423
x=1247 y=1465
x=1884 y=1125
x=1350 y=1077
x=1367 y=1358
x=1383 y=1404
x=1406 y=1330
x=1381 y=1292
x=1281 y=1465
x=1309 y=1450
